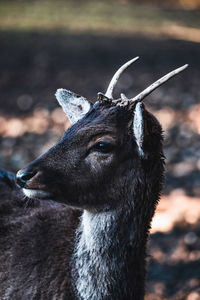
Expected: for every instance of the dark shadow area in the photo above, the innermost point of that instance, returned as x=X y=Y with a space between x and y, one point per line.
x=38 y=63
x=174 y=262
x=189 y=182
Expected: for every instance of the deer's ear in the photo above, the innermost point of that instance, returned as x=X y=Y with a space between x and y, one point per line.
x=138 y=127
x=73 y=105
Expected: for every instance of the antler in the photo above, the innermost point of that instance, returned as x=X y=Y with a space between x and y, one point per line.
x=113 y=82
x=154 y=86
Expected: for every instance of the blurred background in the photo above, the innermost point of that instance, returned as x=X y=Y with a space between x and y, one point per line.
x=78 y=45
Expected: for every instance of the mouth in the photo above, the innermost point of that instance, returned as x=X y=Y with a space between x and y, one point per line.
x=39 y=194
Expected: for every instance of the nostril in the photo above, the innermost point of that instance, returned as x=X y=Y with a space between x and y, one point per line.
x=24 y=177
x=27 y=175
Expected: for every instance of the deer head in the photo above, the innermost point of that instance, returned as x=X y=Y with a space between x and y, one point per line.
x=110 y=145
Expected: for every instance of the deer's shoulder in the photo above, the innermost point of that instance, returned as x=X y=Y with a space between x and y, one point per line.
x=34 y=239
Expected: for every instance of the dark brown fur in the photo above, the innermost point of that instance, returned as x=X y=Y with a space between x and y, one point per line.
x=36 y=243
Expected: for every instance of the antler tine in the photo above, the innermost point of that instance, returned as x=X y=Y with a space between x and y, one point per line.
x=113 y=82
x=124 y=98
x=157 y=83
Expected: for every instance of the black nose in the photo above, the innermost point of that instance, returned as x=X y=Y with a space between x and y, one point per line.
x=24 y=177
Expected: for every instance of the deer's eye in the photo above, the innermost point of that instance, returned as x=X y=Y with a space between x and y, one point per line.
x=103 y=147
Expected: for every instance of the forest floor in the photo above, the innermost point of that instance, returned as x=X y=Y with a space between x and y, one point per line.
x=38 y=57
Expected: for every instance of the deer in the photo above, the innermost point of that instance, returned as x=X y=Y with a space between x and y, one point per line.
x=74 y=223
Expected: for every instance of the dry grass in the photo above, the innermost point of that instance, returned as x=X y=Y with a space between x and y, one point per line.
x=99 y=17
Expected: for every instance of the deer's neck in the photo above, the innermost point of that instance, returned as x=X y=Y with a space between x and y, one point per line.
x=109 y=258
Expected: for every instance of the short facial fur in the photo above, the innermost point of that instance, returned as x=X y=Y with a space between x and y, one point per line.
x=88 y=168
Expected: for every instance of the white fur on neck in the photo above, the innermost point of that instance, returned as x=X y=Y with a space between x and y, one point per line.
x=138 y=127
x=98 y=268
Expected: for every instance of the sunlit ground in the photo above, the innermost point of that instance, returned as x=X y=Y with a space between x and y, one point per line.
x=100 y=17
x=176 y=208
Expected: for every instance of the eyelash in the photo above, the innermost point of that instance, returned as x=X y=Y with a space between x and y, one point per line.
x=103 y=147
